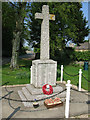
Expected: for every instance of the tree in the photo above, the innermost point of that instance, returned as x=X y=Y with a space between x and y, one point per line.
x=15 y=28
x=68 y=25
x=18 y=33
x=8 y=25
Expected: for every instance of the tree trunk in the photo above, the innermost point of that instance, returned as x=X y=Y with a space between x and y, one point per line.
x=17 y=35
x=15 y=50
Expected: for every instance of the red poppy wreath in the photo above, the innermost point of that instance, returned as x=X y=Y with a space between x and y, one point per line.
x=45 y=91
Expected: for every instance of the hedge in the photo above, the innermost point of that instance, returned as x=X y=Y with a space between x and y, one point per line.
x=82 y=56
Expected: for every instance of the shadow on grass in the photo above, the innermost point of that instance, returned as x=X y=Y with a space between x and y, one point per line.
x=17 y=76
x=24 y=63
x=21 y=63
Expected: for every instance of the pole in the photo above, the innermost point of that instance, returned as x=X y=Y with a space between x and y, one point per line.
x=31 y=75
x=68 y=85
x=80 y=75
x=61 y=73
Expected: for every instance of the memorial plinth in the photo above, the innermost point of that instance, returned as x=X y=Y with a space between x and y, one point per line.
x=44 y=72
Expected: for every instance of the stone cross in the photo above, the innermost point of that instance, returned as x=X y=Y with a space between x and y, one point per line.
x=44 y=48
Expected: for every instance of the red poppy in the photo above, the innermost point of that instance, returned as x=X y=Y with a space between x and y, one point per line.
x=47 y=92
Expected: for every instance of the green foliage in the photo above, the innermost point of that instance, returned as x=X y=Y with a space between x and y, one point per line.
x=82 y=56
x=65 y=56
x=26 y=48
x=68 y=55
x=22 y=51
x=76 y=65
x=69 y=24
x=12 y=13
x=8 y=25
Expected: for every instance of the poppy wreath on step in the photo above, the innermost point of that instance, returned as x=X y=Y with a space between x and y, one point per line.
x=47 y=92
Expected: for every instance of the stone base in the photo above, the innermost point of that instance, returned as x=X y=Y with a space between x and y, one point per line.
x=30 y=93
x=44 y=72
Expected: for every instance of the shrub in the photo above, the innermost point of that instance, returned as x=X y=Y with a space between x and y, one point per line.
x=82 y=56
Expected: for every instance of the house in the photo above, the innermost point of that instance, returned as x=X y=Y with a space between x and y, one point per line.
x=82 y=47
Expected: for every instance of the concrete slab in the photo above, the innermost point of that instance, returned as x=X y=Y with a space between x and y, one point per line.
x=33 y=90
x=78 y=106
x=25 y=94
x=22 y=97
x=31 y=93
x=36 y=91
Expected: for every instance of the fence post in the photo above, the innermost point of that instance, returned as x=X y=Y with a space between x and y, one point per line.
x=61 y=73
x=68 y=85
x=80 y=75
x=31 y=75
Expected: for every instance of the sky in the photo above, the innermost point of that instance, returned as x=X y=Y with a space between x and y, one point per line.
x=85 y=12
x=85 y=9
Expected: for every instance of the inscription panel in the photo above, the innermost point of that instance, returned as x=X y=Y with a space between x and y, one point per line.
x=44 y=73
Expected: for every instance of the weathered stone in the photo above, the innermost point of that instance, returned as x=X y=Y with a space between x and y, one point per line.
x=38 y=91
x=44 y=72
x=25 y=94
x=57 y=89
x=23 y=98
x=44 y=50
x=33 y=90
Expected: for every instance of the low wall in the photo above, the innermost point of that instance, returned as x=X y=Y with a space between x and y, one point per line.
x=81 y=62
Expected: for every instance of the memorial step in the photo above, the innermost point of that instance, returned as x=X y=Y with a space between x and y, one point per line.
x=29 y=96
x=36 y=91
x=33 y=90
x=42 y=96
x=25 y=94
x=23 y=98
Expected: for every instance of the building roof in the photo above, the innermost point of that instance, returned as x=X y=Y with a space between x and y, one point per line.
x=82 y=46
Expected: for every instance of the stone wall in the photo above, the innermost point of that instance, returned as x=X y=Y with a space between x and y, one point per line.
x=81 y=62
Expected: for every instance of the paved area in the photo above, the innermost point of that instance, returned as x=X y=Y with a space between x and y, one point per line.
x=78 y=105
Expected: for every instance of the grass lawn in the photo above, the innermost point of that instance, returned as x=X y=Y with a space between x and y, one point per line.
x=22 y=75
x=73 y=70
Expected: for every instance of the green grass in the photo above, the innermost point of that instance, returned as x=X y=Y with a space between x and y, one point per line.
x=72 y=70
x=19 y=76
x=22 y=75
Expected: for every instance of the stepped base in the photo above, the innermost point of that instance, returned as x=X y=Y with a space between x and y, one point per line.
x=30 y=93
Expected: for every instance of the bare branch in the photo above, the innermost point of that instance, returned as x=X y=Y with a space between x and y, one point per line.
x=13 y=4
